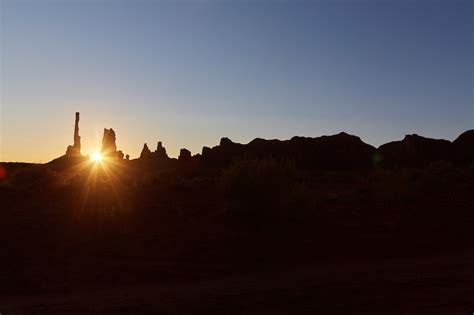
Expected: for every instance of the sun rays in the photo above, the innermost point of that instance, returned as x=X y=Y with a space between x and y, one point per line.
x=104 y=190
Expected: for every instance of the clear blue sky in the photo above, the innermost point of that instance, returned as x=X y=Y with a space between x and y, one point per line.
x=190 y=72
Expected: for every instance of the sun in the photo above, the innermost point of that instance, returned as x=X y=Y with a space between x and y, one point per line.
x=96 y=156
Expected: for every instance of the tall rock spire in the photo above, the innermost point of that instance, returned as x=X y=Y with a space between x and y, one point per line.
x=77 y=138
x=109 y=148
x=75 y=149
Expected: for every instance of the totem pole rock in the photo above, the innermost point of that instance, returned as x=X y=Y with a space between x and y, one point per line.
x=75 y=149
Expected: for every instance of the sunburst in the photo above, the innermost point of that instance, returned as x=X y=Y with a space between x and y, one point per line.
x=96 y=157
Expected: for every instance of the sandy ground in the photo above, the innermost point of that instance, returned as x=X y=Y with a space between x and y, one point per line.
x=424 y=285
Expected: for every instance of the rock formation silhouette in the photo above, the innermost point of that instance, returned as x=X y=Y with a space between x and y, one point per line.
x=464 y=148
x=156 y=159
x=415 y=151
x=73 y=152
x=158 y=154
x=146 y=153
x=109 y=148
x=334 y=152
x=184 y=155
x=160 y=151
x=75 y=149
x=340 y=151
x=326 y=152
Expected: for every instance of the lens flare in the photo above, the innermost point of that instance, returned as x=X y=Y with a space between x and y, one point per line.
x=3 y=174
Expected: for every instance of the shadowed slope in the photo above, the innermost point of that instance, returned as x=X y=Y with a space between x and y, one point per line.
x=464 y=148
x=415 y=151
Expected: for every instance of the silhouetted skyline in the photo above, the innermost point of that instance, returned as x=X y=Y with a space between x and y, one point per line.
x=189 y=73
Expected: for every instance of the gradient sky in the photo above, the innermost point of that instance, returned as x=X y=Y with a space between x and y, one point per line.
x=190 y=72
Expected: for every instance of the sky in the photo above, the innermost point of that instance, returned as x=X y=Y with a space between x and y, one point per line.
x=190 y=72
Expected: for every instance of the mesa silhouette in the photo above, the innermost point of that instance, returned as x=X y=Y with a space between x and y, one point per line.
x=335 y=152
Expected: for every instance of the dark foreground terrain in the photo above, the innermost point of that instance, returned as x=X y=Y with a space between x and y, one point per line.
x=257 y=236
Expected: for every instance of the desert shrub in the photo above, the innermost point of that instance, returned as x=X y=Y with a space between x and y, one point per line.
x=257 y=181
